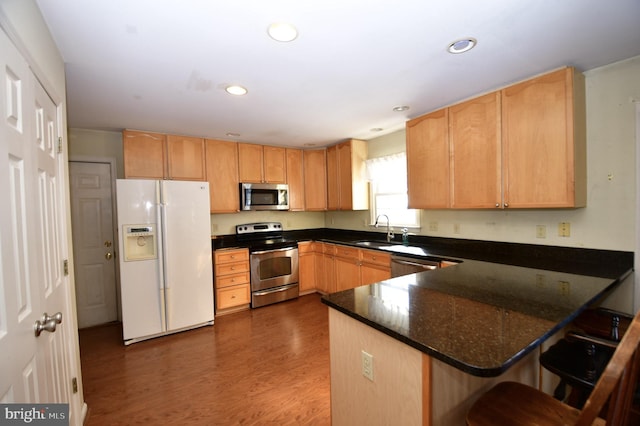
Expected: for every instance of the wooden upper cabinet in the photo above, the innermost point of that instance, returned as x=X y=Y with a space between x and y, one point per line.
x=295 y=179
x=521 y=147
x=185 y=158
x=474 y=138
x=158 y=156
x=347 y=186
x=144 y=154
x=428 y=161
x=274 y=164
x=315 y=179
x=222 y=174
x=261 y=163
x=333 y=186
x=544 y=141
x=250 y=163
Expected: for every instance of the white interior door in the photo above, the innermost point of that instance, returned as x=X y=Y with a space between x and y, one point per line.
x=93 y=243
x=32 y=214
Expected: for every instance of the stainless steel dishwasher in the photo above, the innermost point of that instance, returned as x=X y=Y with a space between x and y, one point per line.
x=403 y=265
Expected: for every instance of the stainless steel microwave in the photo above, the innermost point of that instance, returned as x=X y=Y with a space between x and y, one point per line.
x=264 y=196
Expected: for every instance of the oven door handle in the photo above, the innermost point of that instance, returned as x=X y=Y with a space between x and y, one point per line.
x=274 y=290
x=273 y=250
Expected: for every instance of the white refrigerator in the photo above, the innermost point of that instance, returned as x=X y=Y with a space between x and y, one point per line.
x=164 y=239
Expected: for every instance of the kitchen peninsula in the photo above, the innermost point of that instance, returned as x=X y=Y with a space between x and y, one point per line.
x=438 y=339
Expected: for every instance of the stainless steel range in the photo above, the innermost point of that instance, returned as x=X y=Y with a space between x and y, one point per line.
x=273 y=262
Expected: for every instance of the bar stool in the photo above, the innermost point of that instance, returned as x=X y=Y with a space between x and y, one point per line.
x=582 y=355
x=513 y=404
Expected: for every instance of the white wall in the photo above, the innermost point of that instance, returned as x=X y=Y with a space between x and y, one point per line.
x=608 y=221
x=98 y=144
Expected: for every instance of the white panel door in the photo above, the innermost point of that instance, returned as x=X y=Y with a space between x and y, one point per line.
x=187 y=245
x=33 y=369
x=93 y=243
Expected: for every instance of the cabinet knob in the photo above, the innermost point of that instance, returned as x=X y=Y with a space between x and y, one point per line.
x=497 y=204
x=506 y=204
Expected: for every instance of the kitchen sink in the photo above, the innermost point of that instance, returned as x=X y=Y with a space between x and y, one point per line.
x=371 y=243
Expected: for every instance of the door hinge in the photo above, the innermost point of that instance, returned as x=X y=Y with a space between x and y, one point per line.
x=65 y=266
x=59 y=144
x=74 y=384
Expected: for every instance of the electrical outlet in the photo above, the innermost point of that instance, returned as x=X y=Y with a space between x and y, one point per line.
x=367 y=365
x=564 y=288
x=564 y=229
x=433 y=226
x=456 y=228
x=541 y=231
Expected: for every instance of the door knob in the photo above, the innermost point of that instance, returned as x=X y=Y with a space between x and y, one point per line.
x=108 y=256
x=47 y=323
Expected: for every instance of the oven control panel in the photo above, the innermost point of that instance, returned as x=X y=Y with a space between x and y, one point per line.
x=253 y=228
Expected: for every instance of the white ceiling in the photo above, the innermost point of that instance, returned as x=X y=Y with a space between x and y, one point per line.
x=162 y=65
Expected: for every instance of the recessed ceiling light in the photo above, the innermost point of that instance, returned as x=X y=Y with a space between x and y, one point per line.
x=233 y=135
x=281 y=31
x=236 y=90
x=400 y=108
x=462 y=45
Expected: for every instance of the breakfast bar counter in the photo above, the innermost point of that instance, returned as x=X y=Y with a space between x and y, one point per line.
x=436 y=339
x=479 y=317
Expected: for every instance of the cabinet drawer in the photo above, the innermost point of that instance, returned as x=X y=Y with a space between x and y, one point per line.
x=376 y=257
x=229 y=280
x=348 y=252
x=232 y=268
x=328 y=249
x=233 y=296
x=226 y=256
x=306 y=247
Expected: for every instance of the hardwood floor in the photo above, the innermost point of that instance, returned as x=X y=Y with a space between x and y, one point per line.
x=264 y=366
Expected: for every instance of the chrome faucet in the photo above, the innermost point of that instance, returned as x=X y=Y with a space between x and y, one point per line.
x=389 y=231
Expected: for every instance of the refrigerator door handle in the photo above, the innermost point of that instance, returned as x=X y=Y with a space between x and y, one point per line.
x=160 y=212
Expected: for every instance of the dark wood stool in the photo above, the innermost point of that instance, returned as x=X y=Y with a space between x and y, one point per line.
x=581 y=356
x=513 y=404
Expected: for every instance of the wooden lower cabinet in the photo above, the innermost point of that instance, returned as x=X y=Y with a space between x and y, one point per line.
x=327 y=276
x=347 y=263
x=356 y=267
x=376 y=266
x=232 y=280
x=306 y=267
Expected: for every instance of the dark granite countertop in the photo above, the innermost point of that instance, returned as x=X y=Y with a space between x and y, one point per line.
x=479 y=317
x=483 y=314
